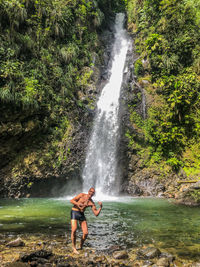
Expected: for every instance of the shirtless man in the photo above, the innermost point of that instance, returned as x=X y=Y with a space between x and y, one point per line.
x=81 y=202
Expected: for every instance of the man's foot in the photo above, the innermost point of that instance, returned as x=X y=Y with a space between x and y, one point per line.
x=75 y=251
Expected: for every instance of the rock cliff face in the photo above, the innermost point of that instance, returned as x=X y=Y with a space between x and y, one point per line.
x=139 y=178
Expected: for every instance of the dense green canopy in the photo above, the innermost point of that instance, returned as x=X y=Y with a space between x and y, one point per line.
x=167 y=39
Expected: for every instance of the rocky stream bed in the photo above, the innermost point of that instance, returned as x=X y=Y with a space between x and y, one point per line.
x=43 y=251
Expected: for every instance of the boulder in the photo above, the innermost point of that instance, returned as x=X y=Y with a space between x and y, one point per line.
x=146 y=263
x=40 y=254
x=119 y=255
x=196 y=185
x=16 y=243
x=196 y=264
x=18 y=264
x=148 y=253
x=163 y=262
x=169 y=256
x=113 y=248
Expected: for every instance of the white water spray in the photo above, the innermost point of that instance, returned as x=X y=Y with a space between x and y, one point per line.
x=100 y=164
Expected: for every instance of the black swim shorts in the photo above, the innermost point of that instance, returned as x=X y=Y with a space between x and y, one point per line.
x=77 y=215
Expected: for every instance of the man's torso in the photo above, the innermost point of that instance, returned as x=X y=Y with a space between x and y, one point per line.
x=84 y=202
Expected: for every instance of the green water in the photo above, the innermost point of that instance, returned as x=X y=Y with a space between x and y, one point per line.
x=126 y=222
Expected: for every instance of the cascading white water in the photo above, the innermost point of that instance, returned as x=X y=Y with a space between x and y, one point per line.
x=100 y=164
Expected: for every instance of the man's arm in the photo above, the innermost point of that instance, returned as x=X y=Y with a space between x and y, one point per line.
x=75 y=200
x=94 y=209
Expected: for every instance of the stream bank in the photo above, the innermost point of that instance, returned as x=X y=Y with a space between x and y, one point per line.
x=38 y=251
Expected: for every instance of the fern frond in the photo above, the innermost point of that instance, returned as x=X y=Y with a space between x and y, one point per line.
x=6 y=95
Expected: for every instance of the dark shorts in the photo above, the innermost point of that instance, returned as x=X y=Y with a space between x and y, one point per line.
x=77 y=215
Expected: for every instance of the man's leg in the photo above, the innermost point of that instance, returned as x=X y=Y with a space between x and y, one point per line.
x=84 y=228
x=73 y=235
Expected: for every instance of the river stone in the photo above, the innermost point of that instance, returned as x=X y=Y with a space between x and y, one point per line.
x=169 y=256
x=16 y=243
x=119 y=255
x=101 y=258
x=147 y=263
x=163 y=262
x=114 y=248
x=35 y=255
x=148 y=253
x=196 y=185
x=18 y=264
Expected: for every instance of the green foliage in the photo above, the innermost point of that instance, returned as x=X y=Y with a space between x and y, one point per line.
x=168 y=38
x=139 y=70
x=136 y=119
x=46 y=54
x=194 y=194
x=85 y=77
x=130 y=138
x=38 y=39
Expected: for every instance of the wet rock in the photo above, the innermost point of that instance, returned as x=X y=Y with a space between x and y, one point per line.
x=114 y=248
x=146 y=264
x=144 y=182
x=98 y=259
x=196 y=264
x=63 y=265
x=178 y=263
x=45 y=254
x=105 y=76
x=135 y=190
x=18 y=264
x=118 y=255
x=196 y=185
x=2 y=242
x=170 y=257
x=148 y=253
x=163 y=262
x=16 y=243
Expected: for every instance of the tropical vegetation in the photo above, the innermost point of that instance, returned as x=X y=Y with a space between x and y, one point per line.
x=47 y=52
x=168 y=66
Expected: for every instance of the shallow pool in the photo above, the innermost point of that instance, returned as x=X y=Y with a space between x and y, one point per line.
x=128 y=222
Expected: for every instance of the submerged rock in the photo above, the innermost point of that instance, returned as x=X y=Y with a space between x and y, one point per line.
x=169 y=256
x=16 y=243
x=118 y=255
x=44 y=254
x=18 y=264
x=163 y=262
x=113 y=248
x=148 y=253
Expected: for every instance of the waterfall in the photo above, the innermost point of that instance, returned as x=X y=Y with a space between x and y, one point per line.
x=143 y=104
x=100 y=164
